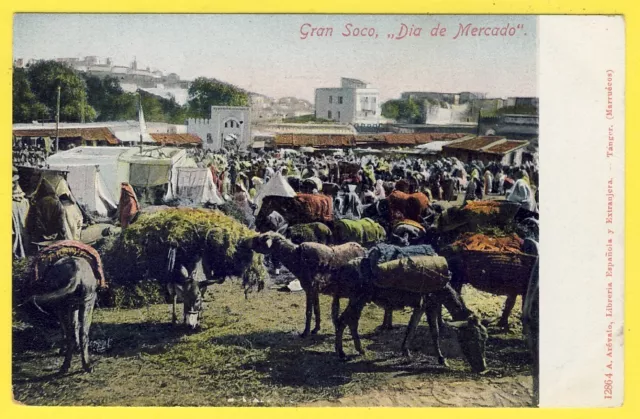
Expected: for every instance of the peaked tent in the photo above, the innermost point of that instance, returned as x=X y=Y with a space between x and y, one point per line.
x=194 y=185
x=277 y=186
x=105 y=159
x=89 y=188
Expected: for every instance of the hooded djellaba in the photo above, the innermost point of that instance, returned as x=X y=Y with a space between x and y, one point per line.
x=128 y=205
x=47 y=219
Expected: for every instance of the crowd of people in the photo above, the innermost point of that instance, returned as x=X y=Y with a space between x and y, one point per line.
x=29 y=155
x=356 y=181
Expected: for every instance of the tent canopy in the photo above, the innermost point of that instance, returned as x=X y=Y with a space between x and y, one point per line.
x=195 y=186
x=277 y=186
x=105 y=158
x=89 y=188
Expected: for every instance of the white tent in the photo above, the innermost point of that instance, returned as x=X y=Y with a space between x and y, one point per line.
x=195 y=185
x=106 y=158
x=277 y=186
x=92 y=175
x=153 y=166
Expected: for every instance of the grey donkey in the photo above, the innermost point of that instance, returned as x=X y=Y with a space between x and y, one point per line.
x=69 y=289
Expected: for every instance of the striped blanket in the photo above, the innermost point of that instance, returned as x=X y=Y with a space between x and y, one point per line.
x=314 y=207
x=64 y=248
x=403 y=205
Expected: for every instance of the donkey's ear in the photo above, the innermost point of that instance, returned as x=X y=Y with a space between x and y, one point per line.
x=184 y=272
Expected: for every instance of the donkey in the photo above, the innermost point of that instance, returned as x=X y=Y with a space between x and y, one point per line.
x=69 y=289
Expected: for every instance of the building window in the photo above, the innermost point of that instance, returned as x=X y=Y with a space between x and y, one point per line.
x=330 y=99
x=232 y=124
x=340 y=99
x=209 y=139
x=338 y=115
x=329 y=113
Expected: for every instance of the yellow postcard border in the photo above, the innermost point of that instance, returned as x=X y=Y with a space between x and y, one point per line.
x=631 y=14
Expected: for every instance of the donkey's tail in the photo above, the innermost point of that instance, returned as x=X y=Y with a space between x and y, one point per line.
x=57 y=295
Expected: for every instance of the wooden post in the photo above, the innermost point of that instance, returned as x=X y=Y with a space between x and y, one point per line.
x=58 y=121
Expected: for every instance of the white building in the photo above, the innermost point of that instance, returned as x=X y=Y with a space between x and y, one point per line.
x=229 y=125
x=354 y=102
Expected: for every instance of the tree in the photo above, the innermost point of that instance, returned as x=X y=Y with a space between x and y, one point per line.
x=174 y=113
x=26 y=107
x=411 y=112
x=46 y=76
x=404 y=110
x=109 y=100
x=151 y=107
x=205 y=93
x=391 y=109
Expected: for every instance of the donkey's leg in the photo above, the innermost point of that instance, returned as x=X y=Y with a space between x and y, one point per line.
x=387 y=321
x=441 y=324
x=413 y=324
x=308 y=312
x=86 y=315
x=434 y=310
x=335 y=310
x=67 y=322
x=341 y=323
x=76 y=330
x=353 y=321
x=316 y=311
x=508 y=306
x=174 y=316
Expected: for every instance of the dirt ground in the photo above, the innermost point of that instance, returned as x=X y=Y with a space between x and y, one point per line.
x=248 y=353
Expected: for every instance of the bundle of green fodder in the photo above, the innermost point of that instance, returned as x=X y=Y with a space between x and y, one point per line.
x=310 y=232
x=143 y=249
x=365 y=231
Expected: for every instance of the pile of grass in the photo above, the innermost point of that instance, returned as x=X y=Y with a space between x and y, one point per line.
x=141 y=252
x=310 y=232
x=366 y=231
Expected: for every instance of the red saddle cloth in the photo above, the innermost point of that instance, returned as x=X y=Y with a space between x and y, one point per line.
x=53 y=253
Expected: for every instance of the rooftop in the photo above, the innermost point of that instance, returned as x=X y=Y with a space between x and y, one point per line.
x=477 y=143
x=491 y=144
x=177 y=139
x=88 y=134
x=506 y=147
x=364 y=140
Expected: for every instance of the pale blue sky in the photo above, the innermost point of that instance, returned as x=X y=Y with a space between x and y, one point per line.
x=264 y=53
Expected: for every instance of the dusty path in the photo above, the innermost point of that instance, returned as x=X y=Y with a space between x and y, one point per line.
x=513 y=391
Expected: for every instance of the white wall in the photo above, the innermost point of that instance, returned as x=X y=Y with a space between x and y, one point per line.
x=225 y=114
x=341 y=112
x=352 y=106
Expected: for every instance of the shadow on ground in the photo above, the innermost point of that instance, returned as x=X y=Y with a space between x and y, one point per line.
x=311 y=362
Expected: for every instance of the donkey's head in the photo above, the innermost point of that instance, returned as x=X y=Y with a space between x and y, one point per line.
x=472 y=336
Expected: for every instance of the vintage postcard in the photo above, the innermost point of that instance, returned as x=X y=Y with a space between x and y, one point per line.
x=299 y=210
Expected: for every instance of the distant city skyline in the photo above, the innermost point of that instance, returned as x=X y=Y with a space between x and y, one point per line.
x=265 y=53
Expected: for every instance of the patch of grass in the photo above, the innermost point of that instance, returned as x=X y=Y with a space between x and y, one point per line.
x=248 y=353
